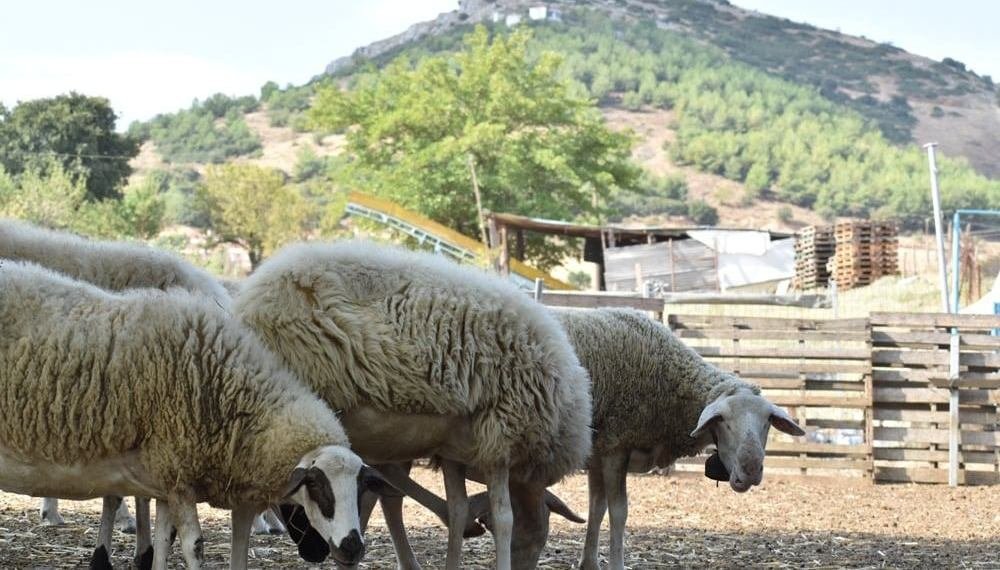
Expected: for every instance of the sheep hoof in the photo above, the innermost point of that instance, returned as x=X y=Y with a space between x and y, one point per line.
x=145 y=560
x=100 y=559
x=473 y=529
x=52 y=519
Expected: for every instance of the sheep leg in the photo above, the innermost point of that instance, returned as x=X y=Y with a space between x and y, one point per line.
x=598 y=506
x=498 y=486
x=162 y=535
x=614 y=472
x=102 y=554
x=398 y=475
x=123 y=519
x=143 y=536
x=392 y=509
x=242 y=518
x=50 y=512
x=458 y=510
x=189 y=531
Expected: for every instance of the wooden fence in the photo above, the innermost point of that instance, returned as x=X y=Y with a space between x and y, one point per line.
x=915 y=375
x=888 y=397
x=819 y=369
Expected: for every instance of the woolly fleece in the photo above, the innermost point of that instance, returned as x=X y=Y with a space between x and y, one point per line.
x=649 y=388
x=86 y=374
x=114 y=266
x=416 y=333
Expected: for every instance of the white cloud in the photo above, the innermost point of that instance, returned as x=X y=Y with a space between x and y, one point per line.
x=138 y=84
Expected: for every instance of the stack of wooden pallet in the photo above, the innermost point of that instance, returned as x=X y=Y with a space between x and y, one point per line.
x=865 y=252
x=814 y=246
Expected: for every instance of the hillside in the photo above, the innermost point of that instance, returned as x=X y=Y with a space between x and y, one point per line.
x=909 y=97
x=774 y=124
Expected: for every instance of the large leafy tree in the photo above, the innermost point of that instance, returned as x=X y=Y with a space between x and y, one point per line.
x=536 y=148
x=253 y=207
x=74 y=130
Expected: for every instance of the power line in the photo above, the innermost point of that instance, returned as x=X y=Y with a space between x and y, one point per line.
x=79 y=155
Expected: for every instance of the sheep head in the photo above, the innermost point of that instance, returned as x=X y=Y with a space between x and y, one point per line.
x=738 y=423
x=326 y=484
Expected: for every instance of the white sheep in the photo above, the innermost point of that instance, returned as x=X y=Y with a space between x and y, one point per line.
x=160 y=395
x=115 y=266
x=428 y=358
x=656 y=396
x=655 y=400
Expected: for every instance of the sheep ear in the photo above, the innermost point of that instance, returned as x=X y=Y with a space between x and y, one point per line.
x=784 y=422
x=371 y=480
x=711 y=413
x=557 y=506
x=296 y=480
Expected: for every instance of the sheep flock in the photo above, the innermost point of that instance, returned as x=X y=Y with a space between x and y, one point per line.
x=308 y=390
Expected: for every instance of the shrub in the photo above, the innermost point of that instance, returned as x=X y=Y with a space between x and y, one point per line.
x=702 y=214
x=785 y=214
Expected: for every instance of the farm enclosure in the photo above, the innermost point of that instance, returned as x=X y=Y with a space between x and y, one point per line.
x=873 y=394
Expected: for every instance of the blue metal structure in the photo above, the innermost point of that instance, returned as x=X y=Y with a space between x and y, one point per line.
x=956 y=237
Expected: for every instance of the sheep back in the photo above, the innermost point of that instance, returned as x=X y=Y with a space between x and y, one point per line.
x=86 y=374
x=114 y=266
x=416 y=333
x=649 y=388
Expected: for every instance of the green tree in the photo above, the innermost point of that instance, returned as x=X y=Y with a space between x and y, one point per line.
x=44 y=194
x=535 y=148
x=253 y=207
x=75 y=130
x=49 y=195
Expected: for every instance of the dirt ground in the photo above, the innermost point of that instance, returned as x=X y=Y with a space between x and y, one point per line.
x=678 y=521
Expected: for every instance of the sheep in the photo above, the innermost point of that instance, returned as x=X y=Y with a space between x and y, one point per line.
x=650 y=391
x=159 y=394
x=114 y=266
x=428 y=358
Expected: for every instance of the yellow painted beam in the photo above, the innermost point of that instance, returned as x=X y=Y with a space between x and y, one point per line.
x=451 y=236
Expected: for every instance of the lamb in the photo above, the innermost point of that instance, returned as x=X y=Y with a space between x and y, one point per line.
x=160 y=395
x=650 y=391
x=428 y=358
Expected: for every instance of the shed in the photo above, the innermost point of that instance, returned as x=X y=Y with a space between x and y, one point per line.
x=668 y=259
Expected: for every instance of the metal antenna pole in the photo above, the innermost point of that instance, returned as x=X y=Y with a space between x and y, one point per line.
x=936 y=199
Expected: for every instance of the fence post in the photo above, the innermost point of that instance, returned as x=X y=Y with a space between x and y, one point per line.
x=539 y=287
x=954 y=431
x=870 y=397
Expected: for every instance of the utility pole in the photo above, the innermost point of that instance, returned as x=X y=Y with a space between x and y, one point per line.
x=939 y=236
x=954 y=426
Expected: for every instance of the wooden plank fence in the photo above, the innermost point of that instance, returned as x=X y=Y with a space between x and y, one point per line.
x=916 y=373
x=819 y=369
x=877 y=397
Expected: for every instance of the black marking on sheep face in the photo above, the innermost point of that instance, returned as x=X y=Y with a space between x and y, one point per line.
x=311 y=544
x=312 y=547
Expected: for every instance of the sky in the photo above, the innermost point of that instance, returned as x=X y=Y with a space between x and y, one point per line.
x=151 y=57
